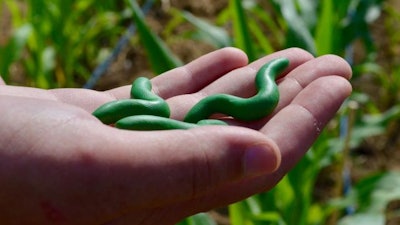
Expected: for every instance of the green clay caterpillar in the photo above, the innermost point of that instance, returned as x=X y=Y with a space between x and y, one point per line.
x=245 y=109
x=149 y=122
x=147 y=111
x=144 y=102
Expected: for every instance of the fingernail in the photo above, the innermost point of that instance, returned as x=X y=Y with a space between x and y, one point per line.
x=261 y=159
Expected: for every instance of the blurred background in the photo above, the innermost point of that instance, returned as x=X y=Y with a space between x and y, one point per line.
x=349 y=176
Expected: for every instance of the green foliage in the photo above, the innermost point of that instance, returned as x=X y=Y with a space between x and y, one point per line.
x=321 y=27
x=242 y=38
x=198 y=219
x=159 y=56
x=59 y=42
x=328 y=26
x=371 y=196
x=13 y=50
x=208 y=32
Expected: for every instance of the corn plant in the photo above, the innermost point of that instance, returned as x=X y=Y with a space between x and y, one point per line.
x=321 y=27
x=60 y=40
x=12 y=51
x=160 y=57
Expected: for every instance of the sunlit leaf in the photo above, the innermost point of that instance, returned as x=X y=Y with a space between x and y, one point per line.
x=325 y=28
x=242 y=37
x=198 y=219
x=374 y=193
x=364 y=219
x=237 y=213
x=211 y=33
x=13 y=49
x=160 y=57
x=299 y=35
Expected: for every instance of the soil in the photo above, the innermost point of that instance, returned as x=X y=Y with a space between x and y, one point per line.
x=185 y=49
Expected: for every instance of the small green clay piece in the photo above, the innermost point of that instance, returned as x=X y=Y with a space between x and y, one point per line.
x=211 y=122
x=148 y=122
x=141 y=89
x=146 y=103
x=245 y=109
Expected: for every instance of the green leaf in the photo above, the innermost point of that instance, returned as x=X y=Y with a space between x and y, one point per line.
x=211 y=33
x=272 y=217
x=13 y=50
x=372 y=125
x=48 y=60
x=373 y=193
x=325 y=30
x=308 y=12
x=299 y=34
x=274 y=29
x=385 y=191
x=357 y=22
x=364 y=219
x=198 y=219
x=15 y=11
x=160 y=57
x=237 y=213
x=242 y=38
x=261 y=38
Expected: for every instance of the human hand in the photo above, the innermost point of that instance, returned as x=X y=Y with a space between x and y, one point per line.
x=59 y=164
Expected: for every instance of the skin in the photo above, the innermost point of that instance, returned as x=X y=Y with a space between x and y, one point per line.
x=61 y=165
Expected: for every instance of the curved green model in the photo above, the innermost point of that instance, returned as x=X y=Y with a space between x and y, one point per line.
x=147 y=111
x=245 y=109
x=149 y=122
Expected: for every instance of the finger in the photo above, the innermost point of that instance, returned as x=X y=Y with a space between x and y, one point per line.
x=73 y=96
x=293 y=129
x=296 y=125
x=2 y=81
x=239 y=82
x=297 y=79
x=193 y=76
x=110 y=172
x=217 y=155
x=300 y=77
x=200 y=171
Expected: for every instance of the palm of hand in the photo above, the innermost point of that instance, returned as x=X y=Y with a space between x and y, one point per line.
x=73 y=169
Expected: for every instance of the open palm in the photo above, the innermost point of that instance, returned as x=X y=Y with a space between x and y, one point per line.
x=59 y=164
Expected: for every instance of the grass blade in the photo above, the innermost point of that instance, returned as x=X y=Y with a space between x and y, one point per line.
x=211 y=33
x=160 y=57
x=325 y=29
x=242 y=38
x=262 y=39
x=237 y=213
x=274 y=28
x=299 y=34
x=198 y=219
x=13 y=50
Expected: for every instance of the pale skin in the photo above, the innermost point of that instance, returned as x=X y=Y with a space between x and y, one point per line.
x=60 y=165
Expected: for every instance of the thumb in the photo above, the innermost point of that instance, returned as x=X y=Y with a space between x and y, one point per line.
x=187 y=164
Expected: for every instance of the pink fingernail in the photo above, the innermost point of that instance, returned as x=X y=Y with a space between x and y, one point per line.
x=260 y=159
